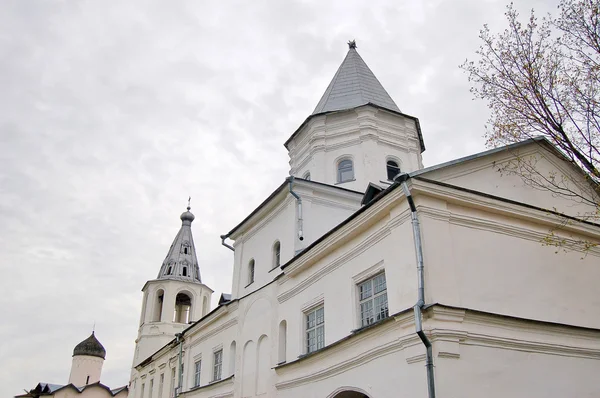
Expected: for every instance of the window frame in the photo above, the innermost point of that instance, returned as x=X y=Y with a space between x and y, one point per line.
x=372 y=299
x=388 y=166
x=197 y=372
x=317 y=326
x=339 y=171
x=217 y=365
x=306 y=176
x=276 y=254
x=251 y=271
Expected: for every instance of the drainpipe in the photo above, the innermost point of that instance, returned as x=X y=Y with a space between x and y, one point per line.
x=418 y=309
x=299 y=202
x=223 y=237
x=179 y=339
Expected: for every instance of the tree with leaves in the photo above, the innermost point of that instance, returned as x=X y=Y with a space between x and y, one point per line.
x=542 y=78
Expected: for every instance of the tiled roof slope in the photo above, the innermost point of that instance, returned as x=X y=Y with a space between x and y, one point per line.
x=354 y=85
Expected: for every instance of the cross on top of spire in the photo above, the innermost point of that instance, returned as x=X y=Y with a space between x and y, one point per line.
x=352 y=44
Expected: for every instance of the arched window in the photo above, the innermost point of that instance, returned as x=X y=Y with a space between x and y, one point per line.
x=281 y=358
x=183 y=307
x=251 y=271
x=232 y=350
x=276 y=254
x=345 y=171
x=184 y=273
x=306 y=176
x=392 y=169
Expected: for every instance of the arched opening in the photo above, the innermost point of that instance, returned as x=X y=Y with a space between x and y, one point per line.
x=281 y=357
x=232 y=349
x=251 y=271
x=345 y=171
x=158 y=306
x=348 y=392
x=306 y=176
x=183 y=306
x=204 y=306
x=392 y=169
x=276 y=254
x=184 y=272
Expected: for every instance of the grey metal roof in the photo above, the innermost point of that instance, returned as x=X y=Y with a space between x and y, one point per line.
x=181 y=258
x=354 y=85
x=90 y=346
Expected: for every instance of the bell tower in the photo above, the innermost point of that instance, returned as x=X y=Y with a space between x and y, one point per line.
x=176 y=298
x=357 y=134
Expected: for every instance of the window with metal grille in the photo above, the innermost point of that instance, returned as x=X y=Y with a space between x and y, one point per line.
x=315 y=329
x=345 y=171
x=197 y=367
x=217 y=365
x=373 y=300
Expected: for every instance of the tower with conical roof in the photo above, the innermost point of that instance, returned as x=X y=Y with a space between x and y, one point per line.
x=356 y=134
x=176 y=298
x=88 y=358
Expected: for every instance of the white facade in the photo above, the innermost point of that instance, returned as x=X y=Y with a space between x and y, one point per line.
x=85 y=369
x=325 y=278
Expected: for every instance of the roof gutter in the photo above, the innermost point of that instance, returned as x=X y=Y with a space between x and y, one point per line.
x=418 y=308
x=223 y=237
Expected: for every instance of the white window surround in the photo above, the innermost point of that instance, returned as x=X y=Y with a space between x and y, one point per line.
x=197 y=372
x=357 y=279
x=314 y=329
x=344 y=168
x=372 y=300
x=217 y=364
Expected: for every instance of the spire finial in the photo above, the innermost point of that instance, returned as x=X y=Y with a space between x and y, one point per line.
x=94 y=327
x=189 y=201
x=352 y=44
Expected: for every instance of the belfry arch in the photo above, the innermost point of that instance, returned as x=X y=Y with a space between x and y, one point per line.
x=183 y=307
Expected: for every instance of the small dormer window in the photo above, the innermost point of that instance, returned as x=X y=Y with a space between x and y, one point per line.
x=185 y=250
x=306 y=176
x=345 y=171
x=392 y=169
x=184 y=272
x=169 y=270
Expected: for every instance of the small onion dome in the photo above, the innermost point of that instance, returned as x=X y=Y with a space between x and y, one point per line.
x=90 y=346
x=187 y=215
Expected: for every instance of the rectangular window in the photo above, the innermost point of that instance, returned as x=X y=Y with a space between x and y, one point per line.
x=217 y=365
x=142 y=390
x=173 y=386
x=197 y=367
x=161 y=383
x=373 y=300
x=315 y=329
x=151 y=387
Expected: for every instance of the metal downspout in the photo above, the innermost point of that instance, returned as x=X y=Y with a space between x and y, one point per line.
x=299 y=203
x=223 y=237
x=180 y=378
x=421 y=286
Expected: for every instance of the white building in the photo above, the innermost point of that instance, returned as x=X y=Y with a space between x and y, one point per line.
x=84 y=380
x=347 y=283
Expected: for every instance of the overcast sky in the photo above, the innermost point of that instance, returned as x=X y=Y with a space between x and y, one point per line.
x=112 y=113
